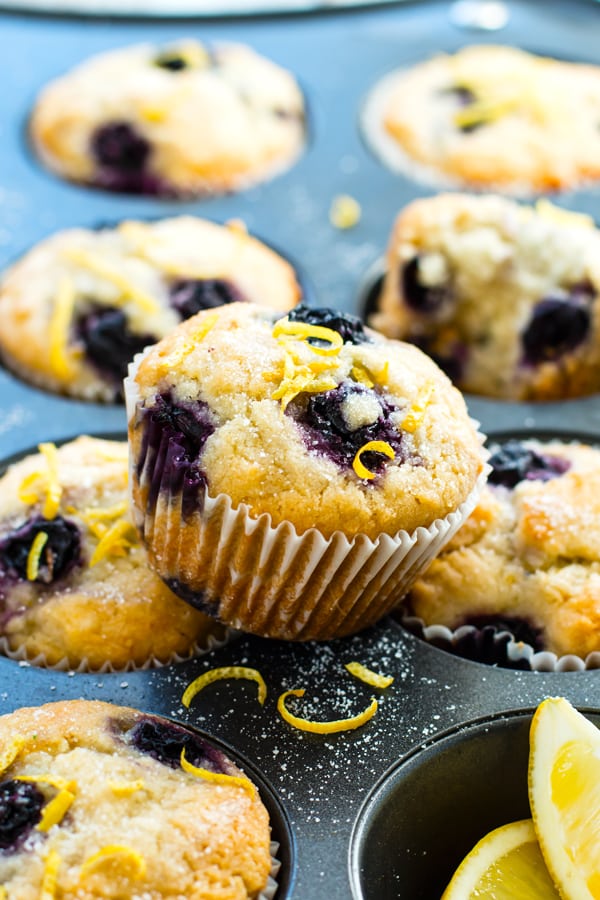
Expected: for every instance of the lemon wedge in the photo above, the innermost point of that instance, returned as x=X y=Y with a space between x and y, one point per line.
x=506 y=864
x=564 y=795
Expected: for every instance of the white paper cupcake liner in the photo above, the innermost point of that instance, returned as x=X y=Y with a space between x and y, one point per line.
x=267 y=579
x=20 y=655
x=269 y=891
x=501 y=648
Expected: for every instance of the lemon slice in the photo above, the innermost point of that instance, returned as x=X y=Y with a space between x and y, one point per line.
x=506 y=864
x=564 y=795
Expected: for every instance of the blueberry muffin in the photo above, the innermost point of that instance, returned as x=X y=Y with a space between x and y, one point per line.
x=101 y=801
x=505 y=298
x=293 y=487
x=76 y=309
x=490 y=117
x=183 y=120
x=528 y=558
x=75 y=586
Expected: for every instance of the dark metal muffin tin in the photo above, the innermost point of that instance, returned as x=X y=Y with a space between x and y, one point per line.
x=314 y=785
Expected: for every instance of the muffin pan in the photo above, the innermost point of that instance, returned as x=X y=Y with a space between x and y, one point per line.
x=331 y=845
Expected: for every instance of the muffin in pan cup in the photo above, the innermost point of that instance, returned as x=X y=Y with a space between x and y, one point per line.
x=77 y=307
x=76 y=590
x=104 y=801
x=187 y=119
x=519 y=584
x=292 y=476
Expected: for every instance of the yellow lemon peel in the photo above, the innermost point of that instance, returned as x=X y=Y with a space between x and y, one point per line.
x=113 y=853
x=10 y=753
x=55 y=810
x=344 y=212
x=115 y=542
x=217 y=777
x=50 y=876
x=42 y=483
x=330 y=727
x=34 y=555
x=221 y=674
x=173 y=359
x=58 y=329
x=129 y=291
x=371 y=447
x=416 y=413
x=368 y=675
x=126 y=788
x=302 y=331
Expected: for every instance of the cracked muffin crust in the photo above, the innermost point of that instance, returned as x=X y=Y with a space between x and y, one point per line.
x=504 y=297
x=102 y=801
x=77 y=307
x=182 y=120
x=75 y=584
x=528 y=558
x=490 y=117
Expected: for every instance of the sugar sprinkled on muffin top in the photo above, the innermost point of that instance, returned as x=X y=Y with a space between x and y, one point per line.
x=313 y=419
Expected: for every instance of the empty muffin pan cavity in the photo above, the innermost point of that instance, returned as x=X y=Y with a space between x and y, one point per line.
x=433 y=806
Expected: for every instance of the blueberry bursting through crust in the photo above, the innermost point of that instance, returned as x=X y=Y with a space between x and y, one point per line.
x=123 y=157
x=164 y=742
x=60 y=553
x=20 y=811
x=175 y=432
x=514 y=462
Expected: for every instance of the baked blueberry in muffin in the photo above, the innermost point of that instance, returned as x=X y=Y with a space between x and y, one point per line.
x=76 y=309
x=104 y=801
x=312 y=433
x=503 y=297
x=184 y=120
x=490 y=118
x=75 y=586
x=528 y=558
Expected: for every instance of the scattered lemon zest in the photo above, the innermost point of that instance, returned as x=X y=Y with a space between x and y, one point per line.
x=368 y=675
x=371 y=447
x=49 y=879
x=58 y=330
x=175 y=358
x=416 y=413
x=146 y=302
x=217 y=777
x=302 y=331
x=154 y=112
x=61 y=784
x=34 y=555
x=126 y=788
x=330 y=727
x=55 y=810
x=238 y=226
x=300 y=374
x=561 y=216
x=105 y=512
x=119 y=538
x=38 y=482
x=10 y=753
x=223 y=673
x=361 y=374
x=112 y=852
x=54 y=489
x=484 y=111
x=344 y=212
